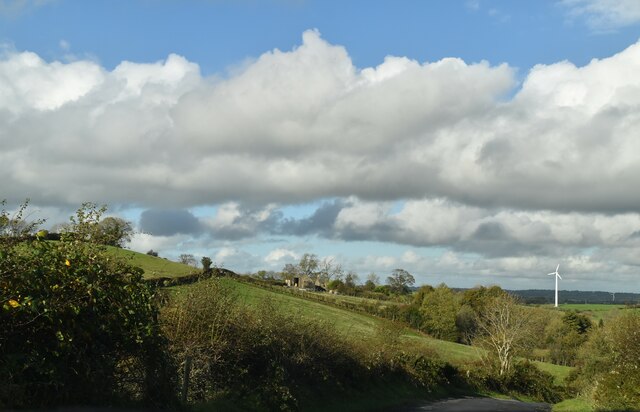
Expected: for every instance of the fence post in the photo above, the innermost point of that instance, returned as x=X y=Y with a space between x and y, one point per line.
x=185 y=378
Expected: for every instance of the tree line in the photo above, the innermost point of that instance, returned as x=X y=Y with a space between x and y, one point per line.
x=328 y=275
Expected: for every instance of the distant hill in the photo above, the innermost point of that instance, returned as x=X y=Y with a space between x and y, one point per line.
x=154 y=267
x=542 y=296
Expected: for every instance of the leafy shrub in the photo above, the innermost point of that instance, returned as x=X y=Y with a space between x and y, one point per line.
x=523 y=378
x=260 y=355
x=430 y=372
x=527 y=379
x=76 y=326
x=609 y=364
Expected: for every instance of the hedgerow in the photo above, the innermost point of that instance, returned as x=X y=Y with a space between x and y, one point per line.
x=76 y=324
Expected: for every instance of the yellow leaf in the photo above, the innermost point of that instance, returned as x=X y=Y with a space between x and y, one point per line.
x=13 y=303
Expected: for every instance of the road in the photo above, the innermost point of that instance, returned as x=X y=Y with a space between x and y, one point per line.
x=478 y=405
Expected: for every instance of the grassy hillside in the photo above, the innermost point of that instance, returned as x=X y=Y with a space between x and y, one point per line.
x=363 y=326
x=154 y=267
x=354 y=324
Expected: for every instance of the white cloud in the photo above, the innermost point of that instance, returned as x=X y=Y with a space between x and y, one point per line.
x=306 y=124
x=143 y=242
x=552 y=169
x=487 y=232
x=605 y=15
x=29 y=83
x=277 y=256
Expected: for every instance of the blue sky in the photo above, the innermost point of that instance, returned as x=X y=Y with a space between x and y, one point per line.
x=221 y=34
x=469 y=142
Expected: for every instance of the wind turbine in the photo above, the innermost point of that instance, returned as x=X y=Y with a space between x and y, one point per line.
x=557 y=276
x=613 y=295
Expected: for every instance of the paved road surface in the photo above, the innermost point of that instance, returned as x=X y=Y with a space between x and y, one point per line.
x=478 y=405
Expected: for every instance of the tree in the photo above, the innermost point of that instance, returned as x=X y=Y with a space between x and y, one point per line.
x=308 y=265
x=206 y=264
x=504 y=330
x=87 y=226
x=336 y=284
x=350 y=281
x=439 y=309
x=566 y=335
x=187 y=259
x=479 y=297
x=289 y=271
x=113 y=231
x=466 y=324
x=400 y=281
x=329 y=270
x=372 y=281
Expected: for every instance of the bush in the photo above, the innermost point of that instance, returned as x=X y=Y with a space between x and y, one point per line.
x=267 y=358
x=609 y=364
x=523 y=378
x=76 y=326
x=527 y=379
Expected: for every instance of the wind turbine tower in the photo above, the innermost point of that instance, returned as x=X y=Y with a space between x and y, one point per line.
x=613 y=295
x=557 y=276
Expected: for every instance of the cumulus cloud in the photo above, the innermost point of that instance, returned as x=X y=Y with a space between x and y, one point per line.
x=233 y=222
x=605 y=15
x=480 y=164
x=487 y=232
x=306 y=124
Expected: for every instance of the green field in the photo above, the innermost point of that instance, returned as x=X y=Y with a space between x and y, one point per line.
x=154 y=267
x=355 y=325
x=362 y=326
x=595 y=311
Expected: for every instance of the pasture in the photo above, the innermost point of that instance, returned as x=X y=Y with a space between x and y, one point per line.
x=596 y=312
x=362 y=326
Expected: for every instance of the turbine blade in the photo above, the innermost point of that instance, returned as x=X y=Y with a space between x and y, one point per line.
x=557 y=268
x=552 y=273
x=558 y=275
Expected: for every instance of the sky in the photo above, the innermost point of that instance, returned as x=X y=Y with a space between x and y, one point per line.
x=471 y=142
